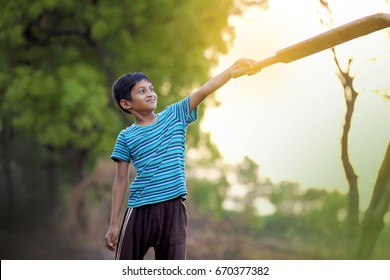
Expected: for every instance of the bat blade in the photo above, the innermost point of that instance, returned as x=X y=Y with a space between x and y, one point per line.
x=329 y=39
x=334 y=37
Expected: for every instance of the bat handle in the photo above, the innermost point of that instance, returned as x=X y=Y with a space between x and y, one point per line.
x=255 y=67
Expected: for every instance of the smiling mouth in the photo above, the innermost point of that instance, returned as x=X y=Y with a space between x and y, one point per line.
x=151 y=101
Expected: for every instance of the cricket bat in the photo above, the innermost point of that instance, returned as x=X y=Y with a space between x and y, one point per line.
x=323 y=41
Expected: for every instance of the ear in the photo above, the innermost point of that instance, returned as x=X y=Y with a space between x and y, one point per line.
x=125 y=104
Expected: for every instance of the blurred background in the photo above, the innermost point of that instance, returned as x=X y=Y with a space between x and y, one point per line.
x=291 y=163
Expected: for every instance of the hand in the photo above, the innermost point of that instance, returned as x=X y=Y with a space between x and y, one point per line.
x=112 y=238
x=243 y=62
x=243 y=67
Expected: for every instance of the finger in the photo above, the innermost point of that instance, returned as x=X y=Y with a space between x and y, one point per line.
x=108 y=245
x=248 y=62
x=111 y=246
x=241 y=71
x=253 y=69
x=250 y=73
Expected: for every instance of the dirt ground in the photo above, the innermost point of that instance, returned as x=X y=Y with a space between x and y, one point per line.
x=202 y=243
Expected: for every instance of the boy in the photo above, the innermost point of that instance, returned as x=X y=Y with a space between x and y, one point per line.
x=156 y=215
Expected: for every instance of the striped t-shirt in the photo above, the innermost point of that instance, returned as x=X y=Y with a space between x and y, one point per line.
x=158 y=154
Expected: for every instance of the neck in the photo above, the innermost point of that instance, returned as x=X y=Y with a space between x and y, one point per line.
x=145 y=119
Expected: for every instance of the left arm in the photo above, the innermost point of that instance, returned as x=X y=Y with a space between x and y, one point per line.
x=216 y=82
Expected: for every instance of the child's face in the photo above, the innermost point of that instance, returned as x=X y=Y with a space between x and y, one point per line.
x=144 y=97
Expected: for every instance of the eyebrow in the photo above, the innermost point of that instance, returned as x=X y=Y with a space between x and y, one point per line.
x=144 y=86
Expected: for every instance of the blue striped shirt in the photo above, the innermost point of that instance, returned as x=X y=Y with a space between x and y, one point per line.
x=158 y=154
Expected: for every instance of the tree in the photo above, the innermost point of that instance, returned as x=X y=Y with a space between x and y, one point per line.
x=361 y=236
x=373 y=223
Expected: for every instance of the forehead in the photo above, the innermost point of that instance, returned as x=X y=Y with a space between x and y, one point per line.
x=142 y=83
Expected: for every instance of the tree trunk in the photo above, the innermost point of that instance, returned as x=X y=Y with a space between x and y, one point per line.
x=353 y=194
x=53 y=175
x=6 y=163
x=78 y=162
x=373 y=222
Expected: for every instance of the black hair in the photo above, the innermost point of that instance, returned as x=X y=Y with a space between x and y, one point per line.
x=121 y=89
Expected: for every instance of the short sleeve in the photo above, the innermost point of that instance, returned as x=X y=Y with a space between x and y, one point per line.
x=121 y=150
x=183 y=109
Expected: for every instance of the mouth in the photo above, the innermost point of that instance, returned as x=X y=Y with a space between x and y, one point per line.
x=151 y=101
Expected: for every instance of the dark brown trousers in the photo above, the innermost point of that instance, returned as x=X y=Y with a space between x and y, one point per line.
x=162 y=226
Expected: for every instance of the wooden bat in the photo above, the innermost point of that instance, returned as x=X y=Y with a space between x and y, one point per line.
x=329 y=39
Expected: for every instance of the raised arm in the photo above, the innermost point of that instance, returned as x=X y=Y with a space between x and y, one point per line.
x=216 y=82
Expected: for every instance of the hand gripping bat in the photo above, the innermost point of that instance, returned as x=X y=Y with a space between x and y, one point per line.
x=329 y=39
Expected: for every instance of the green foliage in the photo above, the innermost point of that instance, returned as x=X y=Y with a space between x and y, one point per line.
x=313 y=219
x=381 y=251
x=64 y=107
x=208 y=195
x=62 y=56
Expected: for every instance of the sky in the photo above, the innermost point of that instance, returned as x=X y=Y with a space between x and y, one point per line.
x=288 y=118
